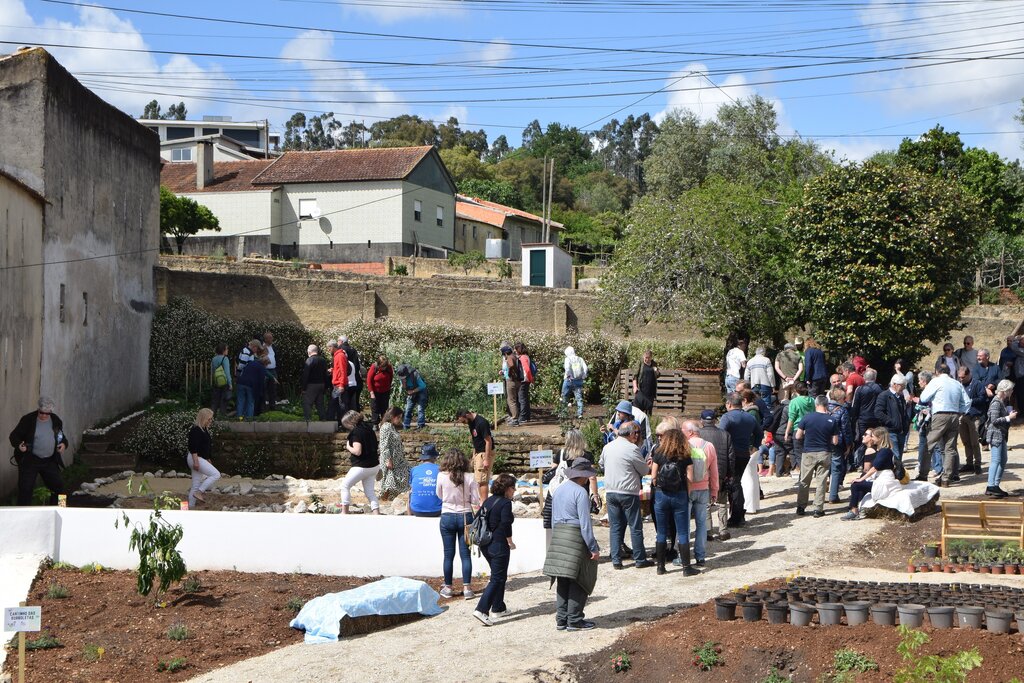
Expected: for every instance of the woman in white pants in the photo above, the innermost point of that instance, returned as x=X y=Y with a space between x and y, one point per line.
x=200 y=443
x=362 y=444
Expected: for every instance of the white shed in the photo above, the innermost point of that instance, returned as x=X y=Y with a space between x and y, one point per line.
x=545 y=265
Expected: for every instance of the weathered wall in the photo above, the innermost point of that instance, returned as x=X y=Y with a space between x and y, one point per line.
x=99 y=172
x=429 y=267
x=21 y=315
x=323 y=299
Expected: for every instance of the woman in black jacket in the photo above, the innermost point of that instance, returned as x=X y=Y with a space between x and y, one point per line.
x=39 y=444
x=200 y=444
x=499 y=520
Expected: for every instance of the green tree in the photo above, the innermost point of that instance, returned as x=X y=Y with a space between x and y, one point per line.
x=151 y=110
x=499 y=191
x=625 y=146
x=181 y=217
x=525 y=174
x=719 y=255
x=499 y=149
x=568 y=146
x=600 y=191
x=176 y=112
x=882 y=243
x=464 y=164
x=587 y=236
x=406 y=130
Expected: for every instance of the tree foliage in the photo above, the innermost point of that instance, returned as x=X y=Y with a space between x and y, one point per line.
x=175 y=112
x=499 y=191
x=884 y=247
x=181 y=217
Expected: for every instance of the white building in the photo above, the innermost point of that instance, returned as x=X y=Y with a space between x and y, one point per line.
x=232 y=140
x=478 y=220
x=356 y=205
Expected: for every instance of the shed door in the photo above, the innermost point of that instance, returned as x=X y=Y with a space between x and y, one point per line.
x=538 y=268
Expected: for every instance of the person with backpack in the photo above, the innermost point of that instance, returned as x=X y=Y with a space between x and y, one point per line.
x=575 y=374
x=220 y=374
x=529 y=370
x=512 y=373
x=702 y=486
x=668 y=472
x=497 y=513
x=837 y=408
x=415 y=395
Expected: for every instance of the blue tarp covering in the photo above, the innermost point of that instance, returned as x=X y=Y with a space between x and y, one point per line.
x=321 y=617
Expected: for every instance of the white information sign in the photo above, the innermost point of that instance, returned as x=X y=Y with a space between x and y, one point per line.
x=541 y=459
x=495 y=388
x=22 y=619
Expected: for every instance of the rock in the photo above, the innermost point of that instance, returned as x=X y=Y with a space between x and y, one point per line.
x=399 y=507
x=518 y=509
x=171 y=475
x=533 y=509
x=245 y=488
x=289 y=477
x=159 y=473
x=88 y=487
x=277 y=507
x=529 y=498
x=148 y=475
x=277 y=477
x=301 y=507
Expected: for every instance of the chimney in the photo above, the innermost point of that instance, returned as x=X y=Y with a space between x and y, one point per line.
x=204 y=164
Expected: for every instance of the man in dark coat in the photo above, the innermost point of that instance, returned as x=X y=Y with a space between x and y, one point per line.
x=39 y=445
x=722 y=442
x=862 y=411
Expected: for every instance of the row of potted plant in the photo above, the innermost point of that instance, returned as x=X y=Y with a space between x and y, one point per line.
x=986 y=558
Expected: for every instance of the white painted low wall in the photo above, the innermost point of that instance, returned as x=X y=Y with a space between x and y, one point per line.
x=340 y=545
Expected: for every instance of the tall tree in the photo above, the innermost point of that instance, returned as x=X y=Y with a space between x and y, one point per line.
x=499 y=191
x=151 y=110
x=464 y=164
x=403 y=131
x=177 y=112
x=625 y=146
x=499 y=149
x=182 y=217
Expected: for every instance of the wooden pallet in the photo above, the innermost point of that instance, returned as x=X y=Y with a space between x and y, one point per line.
x=679 y=392
x=982 y=520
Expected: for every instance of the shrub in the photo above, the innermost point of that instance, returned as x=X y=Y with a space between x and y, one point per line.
x=45 y=641
x=401 y=270
x=172 y=665
x=157 y=545
x=56 y=591
x=308 y=460
x=295 y=605
x=707 y=656
x=162 y=437
x=178 y=631
x=932 y=668
x=255 y=461
x=92 y=653
x=191 y=584
x=621 y=662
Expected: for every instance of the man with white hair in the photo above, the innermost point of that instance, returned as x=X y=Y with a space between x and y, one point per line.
x=314 y=378
x=575 y=373
x=270 y=388
x=703 y=488
x=39 y=444
x=949 y=403
x=353 y=357
x=891 y=413
x=761 y=376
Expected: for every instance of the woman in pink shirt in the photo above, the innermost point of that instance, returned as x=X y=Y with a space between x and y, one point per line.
x=459 y=494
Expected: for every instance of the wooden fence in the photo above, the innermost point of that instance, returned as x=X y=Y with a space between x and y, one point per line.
x=679 y=392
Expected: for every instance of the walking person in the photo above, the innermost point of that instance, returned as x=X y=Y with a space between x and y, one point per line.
x=312 y=383
x=512 y=373
x=820 y=432
x=702 y=486
x=572 y=554
x=423 y=500
x=498 y=508
x=668 y=472
x=379 y=379
x=392 y=456
x=574 y=374
x=999 y=418
x=800 y=405
x=339 y=383
x=270 y=387
x=529 y=369
x=735 y=362
x=416 y=395
x=365 y=461
x=973 y=420
x=624 y=469
x=220 y=375
x=200 y=444
x=645 y=381
x=459 y=494
x=483 y=446
x=722 y=443
x=39 y=443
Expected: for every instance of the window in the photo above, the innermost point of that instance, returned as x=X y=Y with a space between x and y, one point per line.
x=463 y=231
x=440 y=216
x=474 y=232
x=417 y=210
x=308 y=209
x=180 y=132
x=211 y=131
x=247 y=136
x=181 y=154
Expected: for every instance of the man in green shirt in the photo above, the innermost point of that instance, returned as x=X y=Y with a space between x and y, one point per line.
x=789 y=365
x=800 y=405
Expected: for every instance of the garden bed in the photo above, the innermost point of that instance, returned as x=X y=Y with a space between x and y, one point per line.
x=663 y=650
x=232 y=616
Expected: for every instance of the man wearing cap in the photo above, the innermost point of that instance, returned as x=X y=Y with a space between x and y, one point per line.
x=573 y=551
x=891 y=413
x=735 y=361
x=423 y=500
x=742 y=427
x=39 y=444
x=949 y=402
x=415 y=395
x=623 y=413
x=624 y=469
x=789 y=365
x=483 y=447
x=971 y=423
x=722 y=443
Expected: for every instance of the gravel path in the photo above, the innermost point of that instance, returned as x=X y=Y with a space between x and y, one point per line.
x=525 y=645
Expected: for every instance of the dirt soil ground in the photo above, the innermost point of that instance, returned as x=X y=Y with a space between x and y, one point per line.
x=662 y=651
x=233 y=616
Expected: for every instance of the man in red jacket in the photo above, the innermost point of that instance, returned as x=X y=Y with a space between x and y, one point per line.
x=339 y=381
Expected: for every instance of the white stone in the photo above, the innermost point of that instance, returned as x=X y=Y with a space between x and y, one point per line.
x=172 y=474
x=245 y=488
x=301 y=507
x=89 y=487
x=519 y=509
x=159 y=473
x=399 y=507
x=277 y=507
x=148 y=475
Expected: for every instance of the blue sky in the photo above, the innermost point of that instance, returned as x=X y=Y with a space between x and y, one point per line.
x=856 y=76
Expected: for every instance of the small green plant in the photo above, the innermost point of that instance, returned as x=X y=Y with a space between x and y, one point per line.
x=157 y=544
x=92 y=568
x=176 y=664
x=846 y=664
x=295 y=604
x=621 y=661
x=45 y=641
x=92 y=653
x=775 y=676
x=504 y=269
x=400 y=270
x=56 y=591
x=191 y=584
x=707 y=656
x=63 y=565
x=932 y=668
x=178 y=631
x=40 y=495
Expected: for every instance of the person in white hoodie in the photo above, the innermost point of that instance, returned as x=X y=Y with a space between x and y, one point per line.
x=761 y=375
x=572 y=379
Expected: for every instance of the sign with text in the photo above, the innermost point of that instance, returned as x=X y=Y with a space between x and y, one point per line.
x=22 y=619
x=495 y=388
x=541 y=459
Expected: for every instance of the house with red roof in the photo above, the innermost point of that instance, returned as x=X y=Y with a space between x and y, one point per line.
x=478 y=220
x=332 y=206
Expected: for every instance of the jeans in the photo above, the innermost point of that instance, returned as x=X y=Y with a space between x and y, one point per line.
x=202 y=479
x=419 y=400
x=339 y=398
x=677 y=506
x=623 y=510
x=813 y=471
x=524 y=401
x=493 y=597
x=699 y=501
x=766 y=394
x=730 y=383
x=245 y=401
x=897 y=444
x=996 y=463
x=453 y=531
x=313 y=396
x=838 y=471
x=365 y=475
x=765 y=455
x=858 y=490
x=570 y=599
x=31 y=467
x=219 y=399
x=576 y=387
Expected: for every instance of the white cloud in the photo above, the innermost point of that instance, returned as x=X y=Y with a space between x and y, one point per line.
x=854 y=149
x=691 y=89
x=396 y=11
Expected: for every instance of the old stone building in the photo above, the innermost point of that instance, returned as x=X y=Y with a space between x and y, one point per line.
x=79 y=213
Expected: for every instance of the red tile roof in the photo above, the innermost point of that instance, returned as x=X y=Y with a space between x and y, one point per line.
x=343 y=165
x=480 y=214
x=483 y=210
x=228 y=176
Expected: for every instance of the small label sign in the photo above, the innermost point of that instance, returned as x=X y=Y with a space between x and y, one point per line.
x=22 y=619
x=495 y=388
x=541 y=459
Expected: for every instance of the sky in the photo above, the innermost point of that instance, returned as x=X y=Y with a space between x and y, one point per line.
x=855 y=76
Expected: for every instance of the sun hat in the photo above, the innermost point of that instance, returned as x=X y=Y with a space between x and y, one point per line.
x=624 y=406
x=429 y=452
x=581 y=469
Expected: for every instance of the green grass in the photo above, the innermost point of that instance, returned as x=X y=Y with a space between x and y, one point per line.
x=64 y=565
x=43 y=642
x=92 y=653
x=92 y=568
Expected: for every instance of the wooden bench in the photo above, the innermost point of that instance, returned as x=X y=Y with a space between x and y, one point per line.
x=982 y=520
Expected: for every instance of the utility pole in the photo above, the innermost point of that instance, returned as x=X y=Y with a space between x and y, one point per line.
x=266 y=138
x=543 y=196
x=551 y=200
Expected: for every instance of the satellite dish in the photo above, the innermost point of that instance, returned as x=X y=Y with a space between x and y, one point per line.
x=315 y=212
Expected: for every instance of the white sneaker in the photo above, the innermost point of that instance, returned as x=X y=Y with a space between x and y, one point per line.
x=446 y=592
x=467 y=593
x=497 y=615
x=482 y=618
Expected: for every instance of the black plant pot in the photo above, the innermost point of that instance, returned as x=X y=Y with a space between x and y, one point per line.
x=725 y=610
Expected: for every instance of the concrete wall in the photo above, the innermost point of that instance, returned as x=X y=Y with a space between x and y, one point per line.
x=339 y=545
x=21 y=315
x=99 y=172
x=251 y=213
x=323 y=299
x=420 y=267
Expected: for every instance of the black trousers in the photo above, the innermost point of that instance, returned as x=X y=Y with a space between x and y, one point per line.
x=379 y=406
x=270 y=391
x=47 y=468
x=737 y=515
x=524 y=401
x=313 y=397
